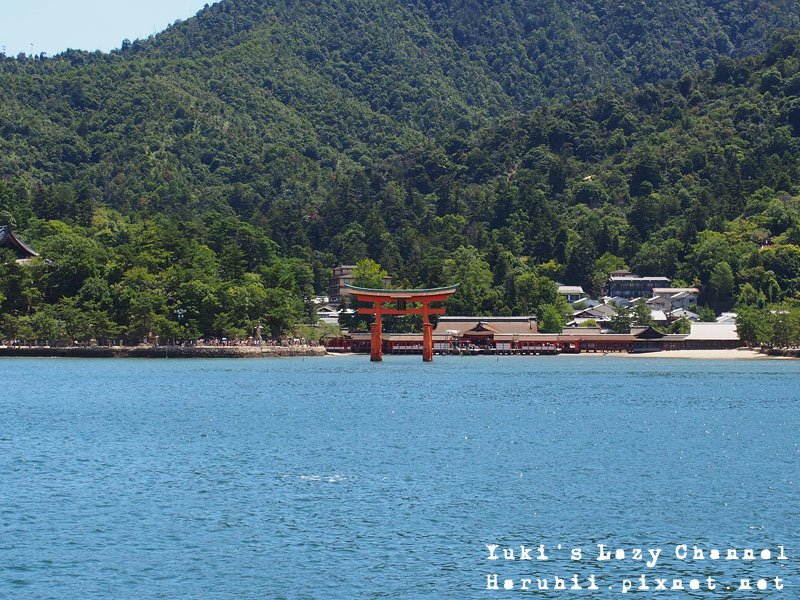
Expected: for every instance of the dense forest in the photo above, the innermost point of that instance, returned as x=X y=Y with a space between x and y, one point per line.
x=208 y=178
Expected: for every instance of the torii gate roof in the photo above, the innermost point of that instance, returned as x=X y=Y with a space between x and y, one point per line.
x=415 y=295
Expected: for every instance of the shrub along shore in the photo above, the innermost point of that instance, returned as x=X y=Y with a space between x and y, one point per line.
x=163 y=351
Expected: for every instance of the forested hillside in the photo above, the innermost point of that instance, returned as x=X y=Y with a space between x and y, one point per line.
x=208 y=178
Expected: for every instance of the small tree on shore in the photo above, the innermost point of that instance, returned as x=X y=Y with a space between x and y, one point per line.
x=621 y=320
x=641 y=314
x=682 y=325
x=552 y=320
x=707 y=314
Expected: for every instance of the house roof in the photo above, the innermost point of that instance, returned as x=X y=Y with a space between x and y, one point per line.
x=637 y=278
x=8 y=239
x=618 y=301
x=482 y=327
x=658 y=315
x=579 y=331
x=713 y=331
x=495 y=325
x=682 y=312
x=635 y=335
x=601 y=311
x=671 y=290
x=570 y=289
x=647 y=333
x=489 y=319
x=587 y=302
x=579 y=322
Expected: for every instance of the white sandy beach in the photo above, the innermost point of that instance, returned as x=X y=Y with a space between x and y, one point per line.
x=737 y=354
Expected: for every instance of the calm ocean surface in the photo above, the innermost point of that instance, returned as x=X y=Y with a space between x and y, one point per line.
x=338 y=478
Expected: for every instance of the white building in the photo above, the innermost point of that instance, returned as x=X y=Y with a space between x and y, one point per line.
x=672 y=298
x=572 y=293
x=713 y=336
x=330 y=313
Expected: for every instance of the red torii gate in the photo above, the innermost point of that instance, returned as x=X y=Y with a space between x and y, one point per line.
x=380 y=297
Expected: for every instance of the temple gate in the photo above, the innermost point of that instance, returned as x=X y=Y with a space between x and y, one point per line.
x=379 y=298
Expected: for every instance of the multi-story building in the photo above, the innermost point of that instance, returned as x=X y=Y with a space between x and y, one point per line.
x=630 y=285
x=343 y=275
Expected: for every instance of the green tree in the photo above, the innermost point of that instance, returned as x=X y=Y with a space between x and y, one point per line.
x=641 y=315
x=785 y=326
x=76 y=324
x=621 y=320
x=532 y=292
x=552 y=319
x=707 y=314
x=580 y=269
x=719 y=292
x=47 y=327
x=17 y=285
x=72 y=258
x=466 y=267
x=281 y=311
x=317 y=333
x=753 y=325
x=750 y=296
x=602 y=267
x=681 y=325
x=368 y=274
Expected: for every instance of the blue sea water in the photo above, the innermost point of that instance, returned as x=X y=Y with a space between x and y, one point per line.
x=337 y=478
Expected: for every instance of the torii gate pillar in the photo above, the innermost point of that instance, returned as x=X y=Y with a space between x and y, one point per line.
x=376 y=341
x=427 y=342
x=380 y=297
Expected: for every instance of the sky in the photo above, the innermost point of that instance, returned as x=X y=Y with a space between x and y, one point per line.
x=52 y=26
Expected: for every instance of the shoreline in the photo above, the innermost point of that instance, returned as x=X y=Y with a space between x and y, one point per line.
x=162 y=351
x=320 y=351
x=729 y=354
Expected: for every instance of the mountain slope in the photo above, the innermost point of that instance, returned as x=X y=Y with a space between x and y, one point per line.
x=280 y=94
x=529 y=49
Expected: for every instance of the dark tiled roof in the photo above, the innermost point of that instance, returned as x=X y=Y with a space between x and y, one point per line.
x=8 y=239
x=462 y=325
